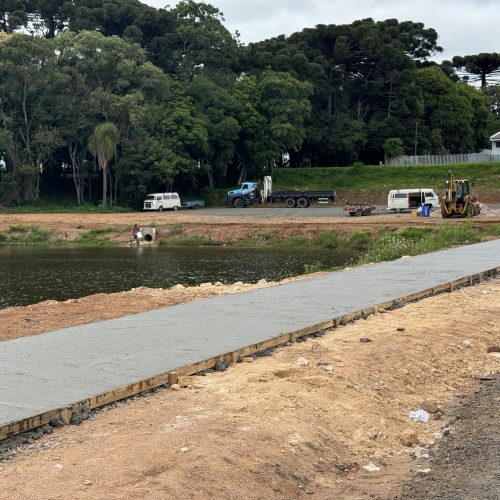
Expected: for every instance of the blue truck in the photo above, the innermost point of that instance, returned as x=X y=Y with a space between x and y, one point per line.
x=250 y=193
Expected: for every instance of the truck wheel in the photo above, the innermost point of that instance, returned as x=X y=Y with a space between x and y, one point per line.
x=302 y=202
x=290 y=202
x=239 y=203
x=444 y=213
x=358 y=212
x=368 y=211
x=160 y=209
x=176 y=208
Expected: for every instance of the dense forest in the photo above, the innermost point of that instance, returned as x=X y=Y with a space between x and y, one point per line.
x=106 y=100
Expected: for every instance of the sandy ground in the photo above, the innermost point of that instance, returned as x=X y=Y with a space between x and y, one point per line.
x=325 y=418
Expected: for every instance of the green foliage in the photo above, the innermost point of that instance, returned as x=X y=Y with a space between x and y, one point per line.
x=190 y=240
x=22 y=235
x=415 y=241
x=328 y=240
x=167 y=99
x=94 y=238
x=393 y=147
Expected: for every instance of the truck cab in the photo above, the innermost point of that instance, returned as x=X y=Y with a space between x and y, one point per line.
x=247 y=194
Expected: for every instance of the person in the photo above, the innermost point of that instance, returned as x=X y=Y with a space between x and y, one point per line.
x=135 y=234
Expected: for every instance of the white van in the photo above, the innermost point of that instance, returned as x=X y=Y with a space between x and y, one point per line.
x=162 y=201
x=409 y=199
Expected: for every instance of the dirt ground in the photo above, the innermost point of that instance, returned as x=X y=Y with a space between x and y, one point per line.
x=241 y=224
x=324 y=418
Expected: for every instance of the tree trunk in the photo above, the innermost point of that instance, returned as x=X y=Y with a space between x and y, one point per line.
x=104 y=185
x=76 y=173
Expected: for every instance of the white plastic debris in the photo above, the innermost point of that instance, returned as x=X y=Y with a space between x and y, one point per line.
x=419 y=416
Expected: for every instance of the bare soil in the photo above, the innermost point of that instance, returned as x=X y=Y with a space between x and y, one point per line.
x=325 y=418
x=226 y=229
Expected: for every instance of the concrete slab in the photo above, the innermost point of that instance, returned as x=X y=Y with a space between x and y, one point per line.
x=60 y=368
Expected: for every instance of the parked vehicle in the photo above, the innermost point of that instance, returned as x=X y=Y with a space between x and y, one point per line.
x=250 y=193
x=162 y=201
x=192 y=204
x=359 y=209
x=410 y=199
x=458 y=199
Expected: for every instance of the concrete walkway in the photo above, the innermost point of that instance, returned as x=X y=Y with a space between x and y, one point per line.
x=60 y=368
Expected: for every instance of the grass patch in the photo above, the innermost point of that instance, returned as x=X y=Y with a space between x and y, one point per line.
x=94 y=238
x=22 y=235
x=191 y=240
x=415 y=241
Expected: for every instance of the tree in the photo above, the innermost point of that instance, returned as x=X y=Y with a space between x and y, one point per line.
x=27 y=73
x=102 y=145
x=481 y=65
x=393 y=147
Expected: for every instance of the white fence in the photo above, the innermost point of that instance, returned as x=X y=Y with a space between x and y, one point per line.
x=443 y=159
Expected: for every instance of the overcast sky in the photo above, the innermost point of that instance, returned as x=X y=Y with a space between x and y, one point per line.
x=464 y=26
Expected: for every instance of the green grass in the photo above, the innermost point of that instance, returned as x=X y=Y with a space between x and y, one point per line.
x=385 y=177
x=48 y=208
x=94 y=238
x=23 y=235
x=191 y=240
x=415 y=241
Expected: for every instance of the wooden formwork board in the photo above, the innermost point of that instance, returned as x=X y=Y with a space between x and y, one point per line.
x=169 y=378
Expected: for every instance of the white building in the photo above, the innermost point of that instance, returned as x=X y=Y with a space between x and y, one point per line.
x=495 y=144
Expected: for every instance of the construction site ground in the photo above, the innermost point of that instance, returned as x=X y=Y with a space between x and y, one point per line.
x=324 y=418
x=228 y=226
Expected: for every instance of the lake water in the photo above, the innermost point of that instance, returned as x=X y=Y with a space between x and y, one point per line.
x=34 y=274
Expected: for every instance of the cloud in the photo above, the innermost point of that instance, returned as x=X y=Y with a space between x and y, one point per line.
x=464 y=27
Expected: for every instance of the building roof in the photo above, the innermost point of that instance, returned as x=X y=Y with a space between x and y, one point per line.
x=495 y=137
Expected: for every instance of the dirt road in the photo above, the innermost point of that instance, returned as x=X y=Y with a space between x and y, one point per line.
x=326 y=418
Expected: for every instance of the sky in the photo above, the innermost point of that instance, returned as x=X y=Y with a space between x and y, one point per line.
x=464 y=26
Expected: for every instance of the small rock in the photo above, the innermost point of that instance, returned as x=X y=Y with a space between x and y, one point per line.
x=238 y=283
x=205 y=285
x=184 y=450
x=303 y=361
x=58 y=466
x=178 y=287
x=467 y=343
x=247 y=359
x=409 y=438
x=431 y=406
x=293 y=442
x=175 y=387
x=400 y=328
x=365 y=340
x=262 y=282
x=327 y=368
x=87 y=482
x=371 y=467
x=198 y=386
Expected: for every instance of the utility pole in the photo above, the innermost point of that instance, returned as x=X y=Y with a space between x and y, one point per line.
x=416 y=136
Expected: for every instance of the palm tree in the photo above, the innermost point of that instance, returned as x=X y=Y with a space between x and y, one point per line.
x=102 y=145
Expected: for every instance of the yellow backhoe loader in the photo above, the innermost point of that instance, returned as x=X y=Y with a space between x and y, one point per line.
x=458 y=199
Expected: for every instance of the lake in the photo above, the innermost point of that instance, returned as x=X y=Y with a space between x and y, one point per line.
x=34 y=274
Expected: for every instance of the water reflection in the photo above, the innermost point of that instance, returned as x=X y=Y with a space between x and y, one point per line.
x=30 y=275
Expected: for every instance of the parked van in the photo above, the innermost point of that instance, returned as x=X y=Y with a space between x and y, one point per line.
x=410 y=199
x=162 y=201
